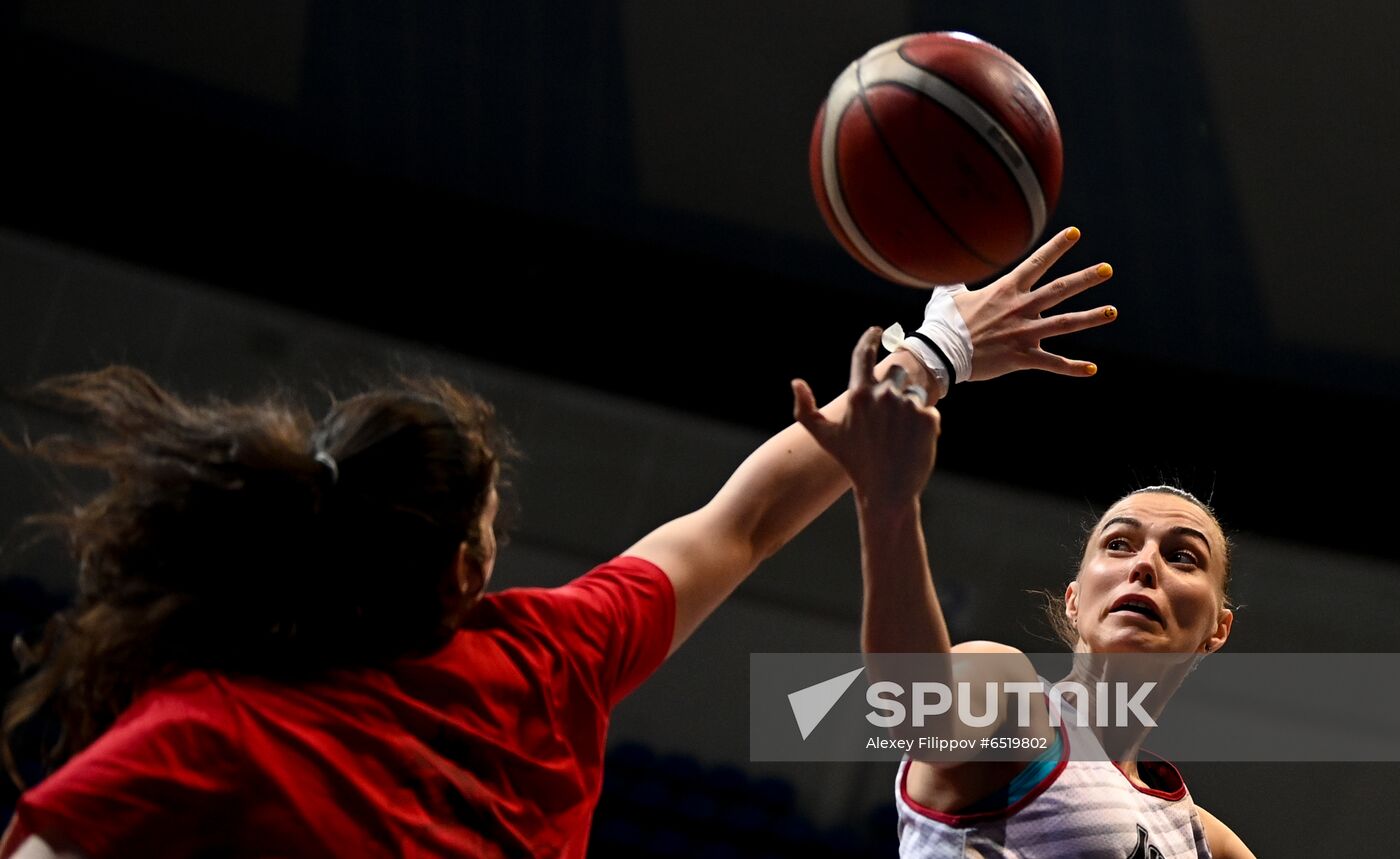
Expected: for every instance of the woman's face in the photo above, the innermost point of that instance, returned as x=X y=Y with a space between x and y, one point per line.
x=1151 y=580
x=487 y=529
x=471 y=576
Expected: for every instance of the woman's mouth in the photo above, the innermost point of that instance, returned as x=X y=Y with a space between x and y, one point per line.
x=1136 y=605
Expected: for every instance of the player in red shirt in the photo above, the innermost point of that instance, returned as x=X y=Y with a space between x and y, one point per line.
x=282 y=643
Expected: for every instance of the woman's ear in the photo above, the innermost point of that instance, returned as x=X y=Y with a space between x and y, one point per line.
x=470 y=576
x=1222 y=631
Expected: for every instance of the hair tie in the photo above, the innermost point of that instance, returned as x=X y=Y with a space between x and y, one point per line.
x=329 y=462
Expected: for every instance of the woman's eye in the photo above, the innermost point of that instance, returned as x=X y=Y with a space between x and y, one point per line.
x=1118 y=544
x=1184 y=557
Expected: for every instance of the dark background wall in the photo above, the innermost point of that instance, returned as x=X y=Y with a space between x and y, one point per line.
x=618 y=177
x=600 y=215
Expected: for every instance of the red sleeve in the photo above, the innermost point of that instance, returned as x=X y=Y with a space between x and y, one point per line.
x=160 y=782
x=615 y=623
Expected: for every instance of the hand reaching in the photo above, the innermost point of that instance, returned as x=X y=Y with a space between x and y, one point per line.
x=1004 y=318
x=887 y=438
x=998 y=329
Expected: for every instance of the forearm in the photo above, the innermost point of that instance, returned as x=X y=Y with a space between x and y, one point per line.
x=901 y=610
x=790 y=480
x=773 y=495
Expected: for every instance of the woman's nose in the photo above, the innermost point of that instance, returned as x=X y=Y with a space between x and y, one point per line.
x=1144 y=568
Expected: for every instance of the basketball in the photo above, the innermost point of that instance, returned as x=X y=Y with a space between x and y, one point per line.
x=936 y=159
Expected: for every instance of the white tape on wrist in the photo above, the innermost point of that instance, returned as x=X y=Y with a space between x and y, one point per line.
x=944 y=328
x=944 y=325
x=893 y=339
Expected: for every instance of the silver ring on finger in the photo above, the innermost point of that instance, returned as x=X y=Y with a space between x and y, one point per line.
x=917 y=393
x=897 y=377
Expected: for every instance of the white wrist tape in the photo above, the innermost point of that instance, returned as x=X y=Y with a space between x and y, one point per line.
x=942 y=343
x=894 y=339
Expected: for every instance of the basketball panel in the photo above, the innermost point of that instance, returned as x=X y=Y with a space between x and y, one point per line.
x=1003 y=88
x=951 y=168
x=890 y=215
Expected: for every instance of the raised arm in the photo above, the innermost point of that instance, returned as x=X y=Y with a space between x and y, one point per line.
x=885 y=441
x=773 y=495
x=790 y=480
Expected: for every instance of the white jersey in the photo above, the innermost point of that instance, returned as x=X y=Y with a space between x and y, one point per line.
x=1086 y=809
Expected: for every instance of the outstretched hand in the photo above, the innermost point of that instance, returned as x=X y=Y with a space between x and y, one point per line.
x=1004 y=317
x=887 y=438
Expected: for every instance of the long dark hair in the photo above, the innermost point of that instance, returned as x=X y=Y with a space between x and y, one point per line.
x=252 y=538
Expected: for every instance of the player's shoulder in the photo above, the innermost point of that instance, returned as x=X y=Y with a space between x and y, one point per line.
x=992 y=661
x=1224 y=843
x=188 y=696
x=983 y=646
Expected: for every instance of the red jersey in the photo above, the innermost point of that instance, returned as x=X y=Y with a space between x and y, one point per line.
x=490 y=747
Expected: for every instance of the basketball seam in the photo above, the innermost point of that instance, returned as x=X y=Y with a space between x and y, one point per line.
x=1023 y=172
x=908 y=180
x=1013 y=66
x=835 y=190
x=1001 y=161
x=841 y=189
